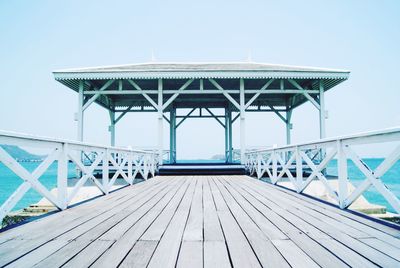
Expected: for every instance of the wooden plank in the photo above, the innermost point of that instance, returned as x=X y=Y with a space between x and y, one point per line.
x=167 y=250
x=347 y=253
x=194 y=226
x=330 y=225
x=244 y=223
x=158 y=227
x=13 y=249
x=293 y=254
x=140 y=254
x=190 y=254
x=300 y=223
x=121 y=228
x=338 y=234
x=38 y=254
x=89 y=254
x=313 y=249
x=335 y=229
x=37 y=227
x=383 y=247
x=124 y=244
x=266 y=253
x=56 y=252
x=366 y=225
x=267 y=227
x=81 y=238
x=212 y=227
x=216 y=254
x=239 y=248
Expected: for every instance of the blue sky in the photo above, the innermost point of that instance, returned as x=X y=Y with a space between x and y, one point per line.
x=40 y=36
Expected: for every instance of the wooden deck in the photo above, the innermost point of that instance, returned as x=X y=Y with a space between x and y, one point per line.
x=209 y=221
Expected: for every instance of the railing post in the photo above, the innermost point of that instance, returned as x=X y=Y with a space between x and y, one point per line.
x=274 y=167
x=342 y=174
x=145 y=167
x=105 y=176
x=299 y=170
x=152 y=167
x=62 y=176
x=130 y=175
x=259 y=174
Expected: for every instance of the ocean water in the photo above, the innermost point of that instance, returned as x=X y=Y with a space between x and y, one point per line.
x=9 y=182
x=391 y=179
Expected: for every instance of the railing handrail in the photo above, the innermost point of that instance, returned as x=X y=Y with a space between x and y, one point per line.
x=113 y=162
x=292 y=160
x=366 y=134
x=24 y=136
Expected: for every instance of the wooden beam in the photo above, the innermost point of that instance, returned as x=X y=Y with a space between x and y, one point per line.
x=225 y=94
x=183 y=119
x=305 y=93
x=196 y=91
x=278 y=113
x=123 y=113
x=215 y=117
x=92 y=99
x=171 y=99
x=143 y=93
x=258 y=93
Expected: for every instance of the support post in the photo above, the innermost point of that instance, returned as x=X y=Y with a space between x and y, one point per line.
x=80 y=112
x=288 y=127
x=228 y=134
x=172 y=136
x=322 y=133
x=112 y=127
x=105 y=171
x=342 y=174
x=242 y=123
x=62 y=176
x=160 y=121
x=230 y=151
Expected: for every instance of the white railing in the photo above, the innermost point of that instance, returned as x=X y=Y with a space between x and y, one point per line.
x=88 y=158
x=294 y=161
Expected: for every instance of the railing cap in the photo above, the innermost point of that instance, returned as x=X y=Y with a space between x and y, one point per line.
x=24 y=136
x=366 y=134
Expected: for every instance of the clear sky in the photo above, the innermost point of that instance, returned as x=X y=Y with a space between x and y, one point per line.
x=37 y=37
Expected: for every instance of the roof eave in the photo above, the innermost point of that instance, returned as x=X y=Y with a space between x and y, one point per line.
x=200 y=75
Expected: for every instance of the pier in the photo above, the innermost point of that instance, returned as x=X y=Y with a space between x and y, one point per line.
x=235 y=214
x=202 y=221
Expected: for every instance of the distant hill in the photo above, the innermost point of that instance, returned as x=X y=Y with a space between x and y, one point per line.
x=20 y=154
x=218 y=157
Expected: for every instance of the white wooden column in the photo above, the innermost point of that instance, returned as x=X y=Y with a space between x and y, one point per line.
x=79 y=115
x=228 y=134
x=322 y=115
x=288 y=126
x=112 y=127
x=242 y=123
x=172 y=135
x=160 y=121
x=62 y=176
x=230 y=137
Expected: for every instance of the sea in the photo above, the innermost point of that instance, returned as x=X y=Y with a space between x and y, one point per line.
x=9 y=182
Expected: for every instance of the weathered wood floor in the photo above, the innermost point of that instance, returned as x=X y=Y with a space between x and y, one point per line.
x=212 y=221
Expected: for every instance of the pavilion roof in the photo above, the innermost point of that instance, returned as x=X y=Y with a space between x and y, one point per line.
x=155 y=70
x=174 y=75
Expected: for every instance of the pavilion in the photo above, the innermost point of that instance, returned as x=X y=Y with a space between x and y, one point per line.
x=238 y=88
